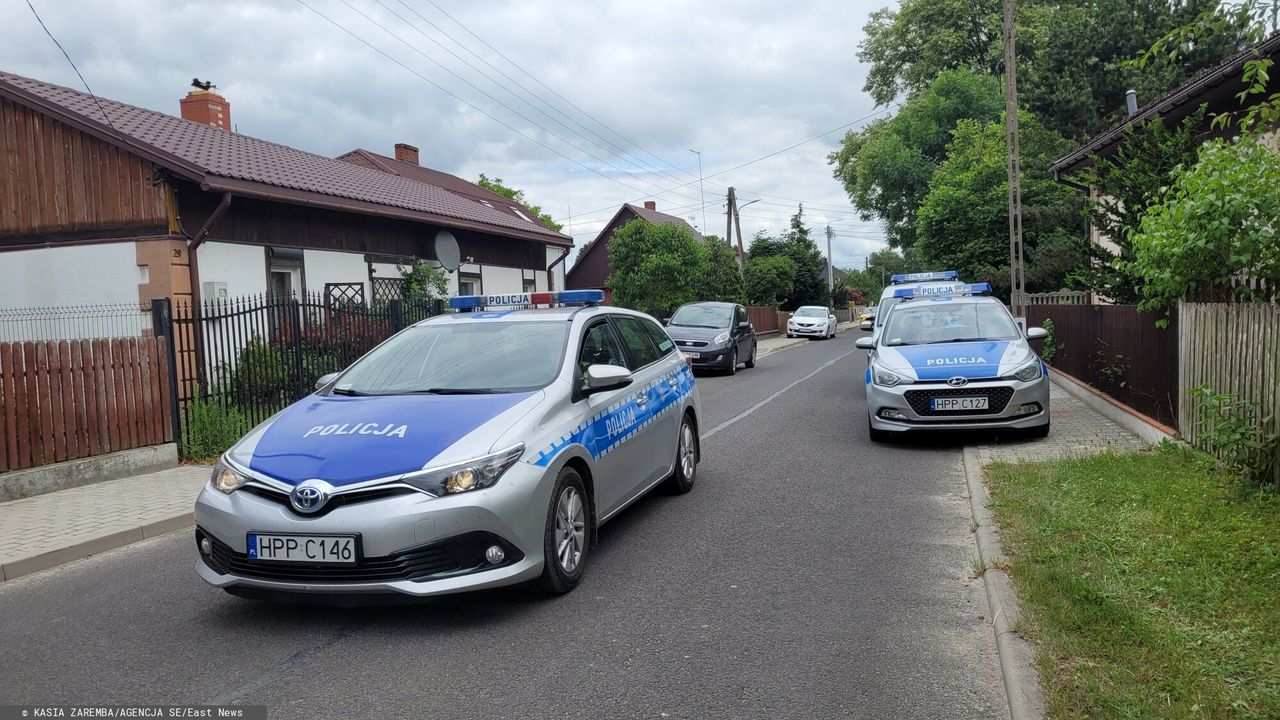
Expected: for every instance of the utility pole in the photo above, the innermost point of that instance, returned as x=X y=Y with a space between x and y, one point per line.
x=831 y=270
x=1017 y=285
x=728 y=221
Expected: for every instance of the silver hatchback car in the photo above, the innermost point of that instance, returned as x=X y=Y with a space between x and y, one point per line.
x=472 y=450
x=955 y=362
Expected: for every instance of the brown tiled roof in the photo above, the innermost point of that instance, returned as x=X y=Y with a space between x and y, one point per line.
x=644 y=213
x=452 y=183
x=1189 y=93
x=224 y=161
x=661 y=218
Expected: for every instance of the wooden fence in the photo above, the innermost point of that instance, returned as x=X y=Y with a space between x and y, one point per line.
x=64 y=400
x=765 y=319
x=1234 y=348
x=1119 y=351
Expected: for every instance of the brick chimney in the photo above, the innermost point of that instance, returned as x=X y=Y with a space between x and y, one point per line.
x=650 y=205
x=207 y=108
x=406 y=153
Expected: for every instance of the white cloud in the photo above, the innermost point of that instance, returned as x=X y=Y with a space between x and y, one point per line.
x=735 y=81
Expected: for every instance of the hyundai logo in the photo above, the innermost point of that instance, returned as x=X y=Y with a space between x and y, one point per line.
x=310 y=495
x=958 y=381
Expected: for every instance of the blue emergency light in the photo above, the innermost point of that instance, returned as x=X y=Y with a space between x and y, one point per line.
x=924 y=277
x=943 y=290
x=565 y=297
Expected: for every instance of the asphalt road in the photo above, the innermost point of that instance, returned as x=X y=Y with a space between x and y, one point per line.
x=809 y=574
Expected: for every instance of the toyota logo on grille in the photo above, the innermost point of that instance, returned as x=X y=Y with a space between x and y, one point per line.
x=309 y=496
x=958 y=381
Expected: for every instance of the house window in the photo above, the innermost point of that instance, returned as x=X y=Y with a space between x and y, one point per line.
x=284 y=272
x=516 y=210
x=530 y=285
x=469 y=284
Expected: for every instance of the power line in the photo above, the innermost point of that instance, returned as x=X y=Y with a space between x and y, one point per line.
x=770 y=155
x=473 y=86
x=607 y=147
x=562 y=98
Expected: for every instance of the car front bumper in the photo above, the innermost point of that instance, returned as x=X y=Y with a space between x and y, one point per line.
x=409 y=544
x=905 y=408
x=710 y=358
x=815 y=331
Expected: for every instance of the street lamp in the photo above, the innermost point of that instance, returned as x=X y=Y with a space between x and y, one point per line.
x=701 y=191
x=831 y=282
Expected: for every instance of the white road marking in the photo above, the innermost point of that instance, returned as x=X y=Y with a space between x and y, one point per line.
x=775 y=396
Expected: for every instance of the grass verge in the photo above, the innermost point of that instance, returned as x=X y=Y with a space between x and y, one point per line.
x=1150 y=583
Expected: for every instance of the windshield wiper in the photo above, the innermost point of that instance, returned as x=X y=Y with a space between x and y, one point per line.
x=347 y=391
x=454 y=391
x=956 y=340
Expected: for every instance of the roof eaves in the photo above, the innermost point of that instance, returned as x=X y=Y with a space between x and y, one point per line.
x=1181 y=95
x=263 y=191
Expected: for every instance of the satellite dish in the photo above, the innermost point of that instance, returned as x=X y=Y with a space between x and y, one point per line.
x=447 y=252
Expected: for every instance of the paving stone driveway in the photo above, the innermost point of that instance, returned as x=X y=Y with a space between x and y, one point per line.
x=1077 y=431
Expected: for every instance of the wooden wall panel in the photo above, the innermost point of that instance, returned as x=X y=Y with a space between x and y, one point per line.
x=58 y=179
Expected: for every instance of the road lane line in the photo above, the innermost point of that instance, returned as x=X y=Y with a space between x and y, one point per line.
x=775 y=396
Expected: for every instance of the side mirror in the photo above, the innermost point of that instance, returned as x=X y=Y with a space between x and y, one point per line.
x=744 y=325
x=865 y=343
x=606 y=377
x=1037 y=333
x=325 y=380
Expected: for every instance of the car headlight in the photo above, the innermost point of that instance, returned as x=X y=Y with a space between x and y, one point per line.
x=475 y=474
x=885 y=377
x=1030 y=371
x=721 y=338
x=225 y=479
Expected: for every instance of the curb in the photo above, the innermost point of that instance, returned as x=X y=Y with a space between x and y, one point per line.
x=1149 y=430
x=1017 y=654
x=784 y=346
x=83 y=549
x=30 y=482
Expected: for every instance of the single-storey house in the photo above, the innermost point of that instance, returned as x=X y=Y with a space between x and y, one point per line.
x=1216 y=89
x=592 y=268
x=104 y=202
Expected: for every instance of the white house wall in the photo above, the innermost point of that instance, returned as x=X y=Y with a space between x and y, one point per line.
x=324 y=266
x=106 y=274
x=496 y=280
x=242 y=267
x=553 y=254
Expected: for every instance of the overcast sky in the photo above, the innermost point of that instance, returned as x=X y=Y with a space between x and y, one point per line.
x=736 y=81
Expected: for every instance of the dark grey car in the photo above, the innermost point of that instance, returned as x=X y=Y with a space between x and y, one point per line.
x=714 y=335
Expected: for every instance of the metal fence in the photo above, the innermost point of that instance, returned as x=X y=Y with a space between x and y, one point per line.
x=1119 y=351
x=249 y=357
x=75 y=322
x=1061 y=297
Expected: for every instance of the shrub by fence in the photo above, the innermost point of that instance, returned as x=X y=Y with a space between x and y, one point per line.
x=1234 y=349
x=1119 y=351
x=64 y=400
x=241 y=361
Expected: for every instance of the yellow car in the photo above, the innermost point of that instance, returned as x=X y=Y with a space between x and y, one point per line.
x=867 y=317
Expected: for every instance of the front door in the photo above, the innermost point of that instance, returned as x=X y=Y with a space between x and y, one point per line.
x=608 y=412
x=646 y=439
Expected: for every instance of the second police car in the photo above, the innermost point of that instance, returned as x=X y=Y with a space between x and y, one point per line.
x=940 y=282
x=953 y=361
x=471 y=450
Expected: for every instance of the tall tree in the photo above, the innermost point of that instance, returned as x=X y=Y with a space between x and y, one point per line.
x=723 y=279
x=769 y=279
x=496 y=185
x=963 y=222
x=886 y=167
x=656 y=267
x=809 y=284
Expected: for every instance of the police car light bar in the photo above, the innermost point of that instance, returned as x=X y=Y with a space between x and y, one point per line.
x=565 y=297
x=924 y=277
x=944 y=290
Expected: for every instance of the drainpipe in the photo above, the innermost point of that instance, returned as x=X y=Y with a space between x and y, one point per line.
x=193 y=265
x=551 y=275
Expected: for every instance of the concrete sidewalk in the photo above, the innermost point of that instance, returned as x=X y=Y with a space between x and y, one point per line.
x=1078 y=430
x=45 y=531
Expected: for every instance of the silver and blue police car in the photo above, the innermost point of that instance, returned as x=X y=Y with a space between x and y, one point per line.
x=471 y=450
x=940 y=282
x=956 y=361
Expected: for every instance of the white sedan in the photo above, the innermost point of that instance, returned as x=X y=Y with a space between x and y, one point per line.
x=812 y=321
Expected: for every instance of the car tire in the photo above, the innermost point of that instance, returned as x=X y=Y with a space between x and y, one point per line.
x=568 y=520
x=751 y=360
x=733 y=362
x=687 y=451
x=1039 y=431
